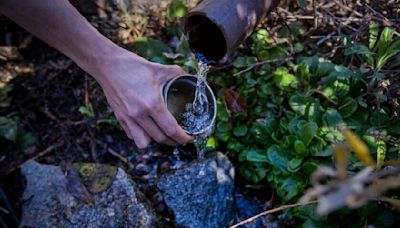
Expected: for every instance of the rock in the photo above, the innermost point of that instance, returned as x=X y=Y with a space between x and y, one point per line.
x=47 y=201
x=201 y=194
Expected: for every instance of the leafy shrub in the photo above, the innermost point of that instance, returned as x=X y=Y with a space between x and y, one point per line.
x=279 y=121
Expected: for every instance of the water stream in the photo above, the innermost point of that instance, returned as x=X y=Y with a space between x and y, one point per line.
x=197 y=115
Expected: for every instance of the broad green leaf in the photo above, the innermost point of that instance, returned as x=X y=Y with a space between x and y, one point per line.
x=244 y=61
x=8 y=129
x=348 y=107
x=380 y=153
x=290 y=188
x=309 y=167
x=299 y=147
x=284 y=79
x=278 y=158
x=258 y=174
x=314 y=112
x=391 y=51
x=359 y=49
x=299 y=103
x=307 y=132
x=235 y=146
x=294 y=164
x=384 y=40
x=271 y=125
x=379 y=117
x=272 y=53
x=333 y=118
x=373 y=34
x=240 y=130
x=254 y=155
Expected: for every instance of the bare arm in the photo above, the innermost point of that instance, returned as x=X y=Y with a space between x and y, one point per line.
x=130 y=83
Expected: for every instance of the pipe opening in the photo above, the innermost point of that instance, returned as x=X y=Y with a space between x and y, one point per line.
x=205 y=37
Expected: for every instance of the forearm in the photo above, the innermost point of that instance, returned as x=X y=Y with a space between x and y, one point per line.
x=60 y=25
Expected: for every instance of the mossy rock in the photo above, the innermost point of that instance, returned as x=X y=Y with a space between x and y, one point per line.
x=96 y=177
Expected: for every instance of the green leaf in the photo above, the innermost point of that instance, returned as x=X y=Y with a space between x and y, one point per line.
x=348 y=107
x=314 y=112
x=258 y=174
x=359 y=49
x=278 y=158
x=8 y=128
x=390 y=52
x=379 y=117
x=373 y=34
x=244 y=61
x=212 y=143
x=86 y=111
x=240 y=130
x=299 y=103
x=272 y=53
x=150 y=48
x=284 y=79
x=255 y=155
x=290 y=188
x=294 y=164
x=271 y=125
x=384 y=40
x=299 y=147
x=176 y=9
x=380 y=153
x=333 y=118
x=307 y=132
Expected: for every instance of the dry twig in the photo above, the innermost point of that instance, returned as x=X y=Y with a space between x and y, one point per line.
x=281 y=208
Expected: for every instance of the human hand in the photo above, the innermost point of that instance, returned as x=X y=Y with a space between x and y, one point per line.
x=132 y=86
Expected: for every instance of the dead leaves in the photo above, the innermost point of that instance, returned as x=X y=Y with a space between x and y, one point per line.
x=234 y=101
x=353 y=192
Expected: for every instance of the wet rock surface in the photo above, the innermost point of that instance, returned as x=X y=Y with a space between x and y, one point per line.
x=48 y=202
x=201 y=194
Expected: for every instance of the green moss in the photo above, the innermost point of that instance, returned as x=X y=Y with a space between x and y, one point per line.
x=96 y=177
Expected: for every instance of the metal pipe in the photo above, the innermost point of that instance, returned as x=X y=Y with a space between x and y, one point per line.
x=215 y=28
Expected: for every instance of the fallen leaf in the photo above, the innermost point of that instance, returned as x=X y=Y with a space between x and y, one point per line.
x=234 y=101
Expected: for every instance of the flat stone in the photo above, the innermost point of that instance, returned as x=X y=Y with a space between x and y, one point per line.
x=47 y=202
x=201 y=194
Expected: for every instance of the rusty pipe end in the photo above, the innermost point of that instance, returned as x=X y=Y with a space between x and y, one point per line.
x=205 y=36
x=214 y=28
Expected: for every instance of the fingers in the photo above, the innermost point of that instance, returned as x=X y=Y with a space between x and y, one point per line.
x=141 y=138
x=168 y=124
x=154 y=131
